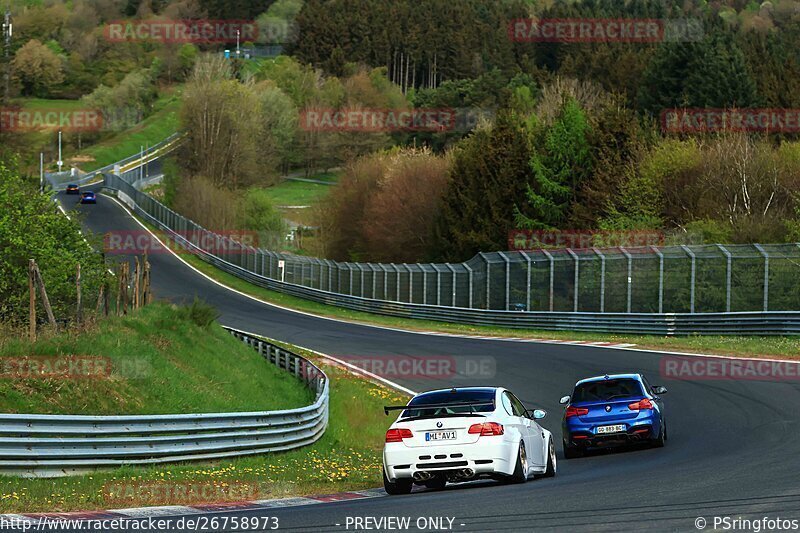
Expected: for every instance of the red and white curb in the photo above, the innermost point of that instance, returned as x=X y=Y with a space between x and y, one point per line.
x=205 y=509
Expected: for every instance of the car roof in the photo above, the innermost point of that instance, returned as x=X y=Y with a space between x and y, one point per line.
x=637 y=377
x=71 y=185
x=461 y=389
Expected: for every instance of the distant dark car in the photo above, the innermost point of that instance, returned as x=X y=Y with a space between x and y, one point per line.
x=73 y=189
x=88 y=198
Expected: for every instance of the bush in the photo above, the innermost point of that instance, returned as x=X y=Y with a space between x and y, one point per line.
x=201 y=313
x=31 y=227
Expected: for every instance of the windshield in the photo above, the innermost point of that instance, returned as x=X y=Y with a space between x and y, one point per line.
x=607 y=390
x=450 y=397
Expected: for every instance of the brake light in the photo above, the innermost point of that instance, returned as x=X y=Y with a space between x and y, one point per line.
x=576 y=411
x=397 y=435
x=487 y=429
x=640 y=405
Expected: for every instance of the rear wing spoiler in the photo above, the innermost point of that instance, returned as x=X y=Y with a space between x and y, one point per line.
x=386 y=409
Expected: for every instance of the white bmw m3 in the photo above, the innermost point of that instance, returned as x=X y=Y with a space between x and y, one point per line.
x=464 y=434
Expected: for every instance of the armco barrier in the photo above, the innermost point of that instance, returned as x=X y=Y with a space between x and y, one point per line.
x=53 y=445
x=733 y=323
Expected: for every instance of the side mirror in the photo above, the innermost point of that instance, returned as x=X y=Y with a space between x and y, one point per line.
x=564 y=400
x=658 y=389
x=538 y=414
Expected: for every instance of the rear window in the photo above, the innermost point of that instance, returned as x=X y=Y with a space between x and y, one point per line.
x=606 y=390
x=448 y=397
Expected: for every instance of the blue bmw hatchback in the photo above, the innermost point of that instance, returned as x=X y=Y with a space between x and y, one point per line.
x=613 y=410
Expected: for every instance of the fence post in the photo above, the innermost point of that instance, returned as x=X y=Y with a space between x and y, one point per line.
x=766 y=275
x=469 y=269
x=576 y=281
x=350 y=269
x=397 y=271
x=424 y=284
x=374 y=279
x=455 y=279
x=552 y=275
x=508 y=279
x=690 y=253
x=410 y=284
x=488 y=284
x=602 y=279
x=438 y=285
x=727 y=278
x=528 y=281
x=630 y=276
x=660 y=279
x=385 y=281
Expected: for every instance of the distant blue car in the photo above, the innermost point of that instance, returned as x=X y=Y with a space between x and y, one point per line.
x=613 y=410
x=88 y=198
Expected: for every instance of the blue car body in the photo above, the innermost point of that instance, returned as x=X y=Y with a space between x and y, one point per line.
x=613 y=410
x=88 y=198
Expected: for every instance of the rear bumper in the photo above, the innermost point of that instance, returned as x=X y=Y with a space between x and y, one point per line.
x=490 y=455
x=640 y=429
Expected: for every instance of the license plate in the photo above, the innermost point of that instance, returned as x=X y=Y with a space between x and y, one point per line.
x=432 y=436
x=611 y=429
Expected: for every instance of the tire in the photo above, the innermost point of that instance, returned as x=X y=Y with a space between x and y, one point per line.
x=436 y=483
x=571 y=452
x=552 y=465
x=520 y=474
x=662 y=436
x=401 y=486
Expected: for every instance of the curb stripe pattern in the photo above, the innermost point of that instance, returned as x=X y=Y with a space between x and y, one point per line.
x=179 y=510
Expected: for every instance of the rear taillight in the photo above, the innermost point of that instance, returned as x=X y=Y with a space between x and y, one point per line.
x=641 y=405
x=397 y=435
x=486 y=429
x=576 y=411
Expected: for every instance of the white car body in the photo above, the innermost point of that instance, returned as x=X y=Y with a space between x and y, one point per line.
x=465 y=456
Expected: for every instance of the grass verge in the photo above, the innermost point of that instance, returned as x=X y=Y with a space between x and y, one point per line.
x=156 y=360
x=162 y=123
x=347 y=457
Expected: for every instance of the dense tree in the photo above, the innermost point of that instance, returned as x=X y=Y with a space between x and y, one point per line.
x=37 y=69
x=560 y=162
x=488 y=178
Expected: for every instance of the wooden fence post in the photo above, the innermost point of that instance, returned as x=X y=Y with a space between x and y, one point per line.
x=78 y=287
x=45 y=299
x=32 y=302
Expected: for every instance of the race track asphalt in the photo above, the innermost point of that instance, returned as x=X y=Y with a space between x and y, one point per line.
x=733 y=449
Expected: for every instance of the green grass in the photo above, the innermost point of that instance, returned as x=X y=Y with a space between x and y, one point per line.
x=162 y=123
x=295 y=193
x=347 y=457
x=160 y=362
x=743 y=346
x=39 y=104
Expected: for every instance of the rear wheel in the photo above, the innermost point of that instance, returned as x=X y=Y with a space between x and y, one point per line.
x=662 y=437
x=520 y=474
x=572 y=452
x=400 y=486
x=551 y=461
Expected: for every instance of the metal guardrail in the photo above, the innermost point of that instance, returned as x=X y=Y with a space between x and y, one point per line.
x=53 y=445
x=252 y=260
x=59 y=180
